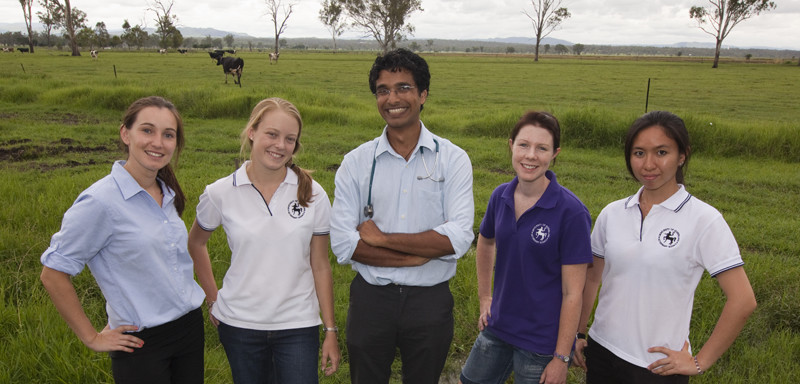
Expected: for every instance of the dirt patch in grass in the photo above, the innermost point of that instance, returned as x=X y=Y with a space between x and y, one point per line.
x=62 y=153
x=66 y=118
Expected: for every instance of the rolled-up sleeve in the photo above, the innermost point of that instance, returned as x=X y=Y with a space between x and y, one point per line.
x=345 y=212
x=459 y=204
x=85 y=230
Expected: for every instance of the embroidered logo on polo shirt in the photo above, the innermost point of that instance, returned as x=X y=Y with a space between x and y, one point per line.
x=296 y=210
x=669 y=237
x=540 y=233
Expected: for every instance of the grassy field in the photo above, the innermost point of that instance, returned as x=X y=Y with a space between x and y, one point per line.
x=59 y=118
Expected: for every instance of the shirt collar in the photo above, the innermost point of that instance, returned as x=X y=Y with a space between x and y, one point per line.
x=673 y=203
x=240 y=176
x=426 y=140
x=129 y=187
x=549 y=197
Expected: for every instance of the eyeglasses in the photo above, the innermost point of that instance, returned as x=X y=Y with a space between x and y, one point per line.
x=401 y=90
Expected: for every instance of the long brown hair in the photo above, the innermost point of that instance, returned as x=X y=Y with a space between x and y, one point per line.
x=265 y=106
x=167 y=173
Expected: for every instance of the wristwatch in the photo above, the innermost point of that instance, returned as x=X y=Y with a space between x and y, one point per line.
x=563 y=358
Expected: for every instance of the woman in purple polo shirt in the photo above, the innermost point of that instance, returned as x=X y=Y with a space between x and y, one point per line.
x=535 y=237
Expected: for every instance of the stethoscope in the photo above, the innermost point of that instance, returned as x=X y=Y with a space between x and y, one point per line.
x=368 y=209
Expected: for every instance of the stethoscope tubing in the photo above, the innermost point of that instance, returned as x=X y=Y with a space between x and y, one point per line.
x=369 y=210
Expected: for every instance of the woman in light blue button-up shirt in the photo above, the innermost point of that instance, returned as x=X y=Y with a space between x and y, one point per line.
x=127 y=228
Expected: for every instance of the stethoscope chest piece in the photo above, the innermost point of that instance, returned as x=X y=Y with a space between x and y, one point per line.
x=368 y=211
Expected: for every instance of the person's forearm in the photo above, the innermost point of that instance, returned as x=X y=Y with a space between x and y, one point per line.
x=484 y=264
x=384 y=257
x=568 y=323
x=66 y=301
x=739 y=305
x=428 y=244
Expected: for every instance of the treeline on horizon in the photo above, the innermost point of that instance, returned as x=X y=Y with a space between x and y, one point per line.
x=556 y=47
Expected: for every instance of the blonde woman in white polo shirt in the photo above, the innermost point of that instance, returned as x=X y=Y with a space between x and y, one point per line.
x=650 y=252
x=279 y=280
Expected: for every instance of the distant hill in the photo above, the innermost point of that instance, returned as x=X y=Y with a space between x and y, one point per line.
x=527 y=40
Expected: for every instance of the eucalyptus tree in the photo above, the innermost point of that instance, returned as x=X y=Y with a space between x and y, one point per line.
x=547 y=15
x=279 y=14
x=720 y=16
x=331 y=16
x=384 y=20
x=26 y=11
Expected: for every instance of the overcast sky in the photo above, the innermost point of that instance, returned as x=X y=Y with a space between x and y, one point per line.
x=593 y=22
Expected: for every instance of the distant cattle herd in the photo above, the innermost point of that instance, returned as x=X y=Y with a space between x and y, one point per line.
x=11 y=49
x=231 y=65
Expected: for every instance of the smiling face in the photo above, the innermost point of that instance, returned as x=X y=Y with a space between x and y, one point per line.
x=400 y=108
x=151 y=141
x=274 y=140
x=531 y=153
x=655 y=160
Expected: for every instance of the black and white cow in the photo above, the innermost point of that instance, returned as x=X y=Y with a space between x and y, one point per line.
x=162 y=51
x=273 y=56
x=231 y=66
x=93 y=53
x=182 y=51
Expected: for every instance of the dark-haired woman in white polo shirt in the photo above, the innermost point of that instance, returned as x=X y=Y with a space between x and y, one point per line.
x=650 y=252
x=276 y=219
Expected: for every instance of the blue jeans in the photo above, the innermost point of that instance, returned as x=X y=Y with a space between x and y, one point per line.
x=265 y=357
x=492 y=360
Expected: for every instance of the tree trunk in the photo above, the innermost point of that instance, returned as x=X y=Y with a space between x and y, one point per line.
x=716 y=54
x=73 y=43
x=28 y=22
x=536 y=51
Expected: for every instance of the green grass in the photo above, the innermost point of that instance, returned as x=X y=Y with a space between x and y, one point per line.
x=59 y=122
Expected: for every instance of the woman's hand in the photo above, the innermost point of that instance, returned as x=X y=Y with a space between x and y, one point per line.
x=330 y=354
x=486 y=313
x=115 y=339
x=580 y=358
x=554 y=373
x=676 y=362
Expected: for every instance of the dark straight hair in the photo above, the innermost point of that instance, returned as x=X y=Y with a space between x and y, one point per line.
x=673 y=126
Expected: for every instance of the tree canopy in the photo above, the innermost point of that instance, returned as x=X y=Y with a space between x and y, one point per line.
x=331 y=16
x=719 y=18
x=169 y=35
x=384 y=20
